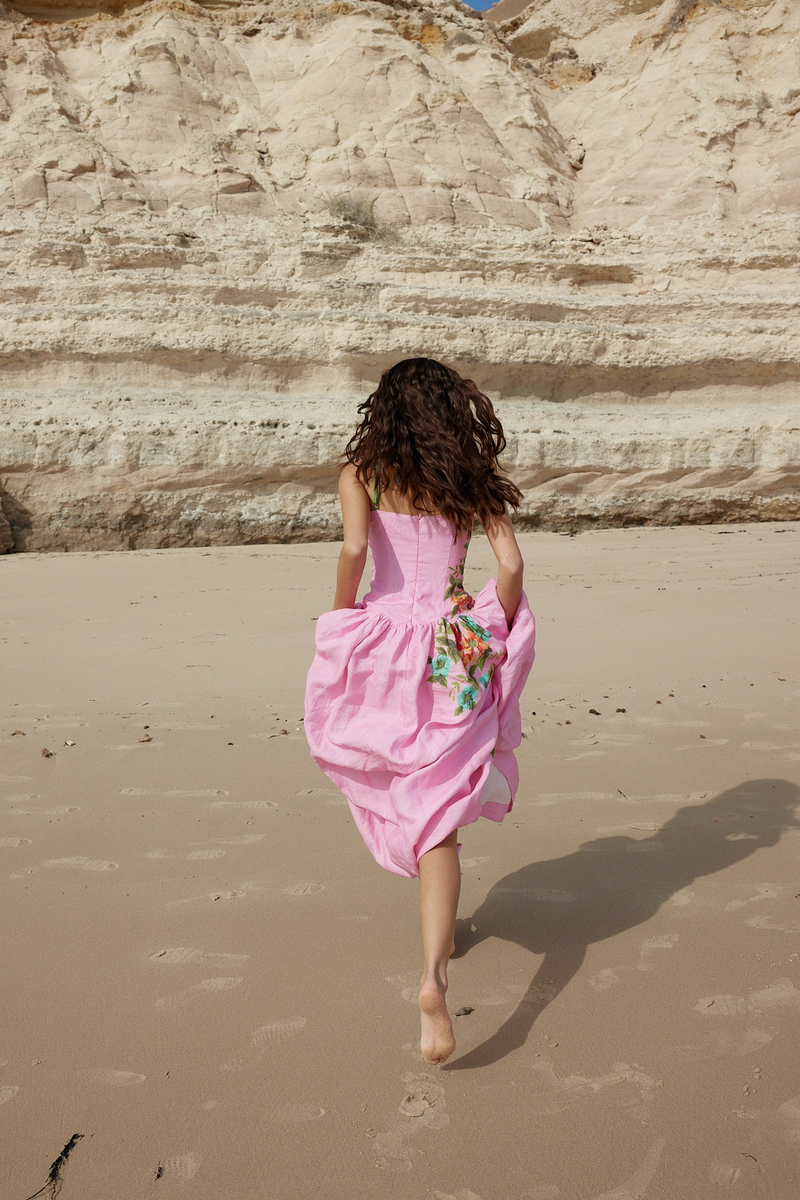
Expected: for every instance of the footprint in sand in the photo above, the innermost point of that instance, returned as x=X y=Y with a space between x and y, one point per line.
x=468 y=863
x=224 y=984
x=421 y=1107
x=23 y=798
x=263 y=1040
x=634 y=1089
x=241 y=839
x=780 y=994
x=784 y=1120
x=769 y=923
x=604 y=980
x=175 y=793
x=45 y=812
x=251 y=887
x=7 y=1092
x=665 y=941
x=15 y=841
x=723 y=1006
x=195 y=856
x=304 y=887
x=82 y=864
x=317 y=792
x=766 y=891
x=722 y=1043
x=114 y=1078
x=243 y=804
x=179 y=1166
x=180 y=956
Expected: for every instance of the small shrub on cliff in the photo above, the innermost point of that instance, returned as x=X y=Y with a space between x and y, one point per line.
x=358 y=214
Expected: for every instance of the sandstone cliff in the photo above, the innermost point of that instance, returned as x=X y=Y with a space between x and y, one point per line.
x=218 y=225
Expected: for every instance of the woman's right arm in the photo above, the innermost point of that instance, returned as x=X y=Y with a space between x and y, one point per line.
x=353 y=555
x=500 y=533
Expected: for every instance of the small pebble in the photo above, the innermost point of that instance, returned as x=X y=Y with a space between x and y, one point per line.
x=465 y=1011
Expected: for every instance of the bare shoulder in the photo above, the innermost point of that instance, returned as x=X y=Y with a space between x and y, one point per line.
x=349 y=479
x=350 y=486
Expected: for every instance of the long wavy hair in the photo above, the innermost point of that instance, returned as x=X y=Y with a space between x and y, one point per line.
x=435 y=438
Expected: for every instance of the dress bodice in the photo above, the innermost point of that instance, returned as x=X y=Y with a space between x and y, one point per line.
x=418 y=569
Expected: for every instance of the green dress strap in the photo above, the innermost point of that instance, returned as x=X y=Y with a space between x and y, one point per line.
x=376 y=487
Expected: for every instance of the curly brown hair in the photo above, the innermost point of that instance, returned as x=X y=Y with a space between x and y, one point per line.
x=434 y=437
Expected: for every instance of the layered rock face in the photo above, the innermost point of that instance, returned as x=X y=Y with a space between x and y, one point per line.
x=219 y=225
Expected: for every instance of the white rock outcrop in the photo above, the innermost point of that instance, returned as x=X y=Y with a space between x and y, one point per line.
x=682 y=109
x=218 y=226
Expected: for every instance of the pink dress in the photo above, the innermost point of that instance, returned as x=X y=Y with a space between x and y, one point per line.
x=412 y=700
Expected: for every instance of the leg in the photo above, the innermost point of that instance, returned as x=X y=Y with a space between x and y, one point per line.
x=439 y=888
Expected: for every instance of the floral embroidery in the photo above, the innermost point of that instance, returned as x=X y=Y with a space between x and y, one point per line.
x=465 y=645
x=455 y=591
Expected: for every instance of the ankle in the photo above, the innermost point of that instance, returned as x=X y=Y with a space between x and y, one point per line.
x=435 y=979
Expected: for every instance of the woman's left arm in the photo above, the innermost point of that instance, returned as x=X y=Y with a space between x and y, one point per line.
x=500 y=533
x=353 y=556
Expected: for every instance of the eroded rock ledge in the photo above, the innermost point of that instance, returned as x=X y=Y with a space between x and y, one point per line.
x=218 y=225
x=164 y=385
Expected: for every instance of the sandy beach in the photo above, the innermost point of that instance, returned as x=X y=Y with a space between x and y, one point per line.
x=206 y=976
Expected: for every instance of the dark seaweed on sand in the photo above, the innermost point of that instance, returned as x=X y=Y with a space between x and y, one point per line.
x=53 y=1184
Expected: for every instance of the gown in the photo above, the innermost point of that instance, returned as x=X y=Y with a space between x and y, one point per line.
x=412 y=699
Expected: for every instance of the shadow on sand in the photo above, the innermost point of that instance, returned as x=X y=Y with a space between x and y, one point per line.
x=559 y=907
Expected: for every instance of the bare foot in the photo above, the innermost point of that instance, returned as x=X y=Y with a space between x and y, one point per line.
x=437 y=1042
x=453 y=948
